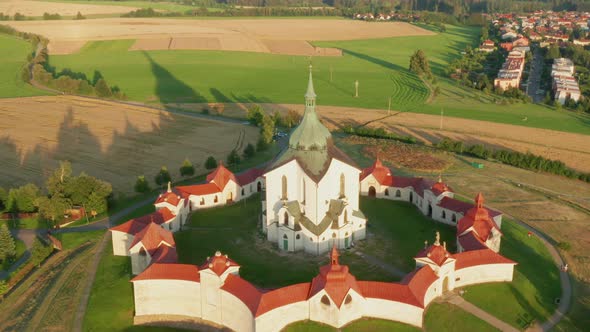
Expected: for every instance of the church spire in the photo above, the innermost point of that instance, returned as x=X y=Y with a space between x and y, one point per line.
x=310 y=94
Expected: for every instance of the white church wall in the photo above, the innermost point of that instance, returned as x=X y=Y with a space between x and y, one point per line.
x=483 y=273
x=211 y=305
x=235 y=314
x=278 y=318
x=206 y=201
x=323 y=313
x=351 y=311
x=140 y=259
x=274 y=188
x=229 y=193
x=121 y=243
x=167 y=297
x=392 y=310
x=329 y=186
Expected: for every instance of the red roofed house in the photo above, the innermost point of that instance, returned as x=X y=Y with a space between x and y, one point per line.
x=147 y=244
x=478 y=225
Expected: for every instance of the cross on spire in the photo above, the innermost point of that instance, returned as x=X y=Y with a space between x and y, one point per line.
x=437 y=240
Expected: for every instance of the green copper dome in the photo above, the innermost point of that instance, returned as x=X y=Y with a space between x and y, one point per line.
x=310 y=134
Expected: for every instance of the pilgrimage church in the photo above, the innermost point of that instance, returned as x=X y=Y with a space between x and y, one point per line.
x=310 y=202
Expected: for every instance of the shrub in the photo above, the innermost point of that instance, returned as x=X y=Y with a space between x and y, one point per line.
x=3 y=287
x=163 y=176
x=187 y=168
x=141 y=185
x=47 y=16
x=79 y=16
x=255 y=115
x=249 y=151
x=233 y=158
x=210 y=163
x=39 y=252
x=565 y=246
x=19 y=17
x=102 y=89
x=25 y=74
x=4 y=17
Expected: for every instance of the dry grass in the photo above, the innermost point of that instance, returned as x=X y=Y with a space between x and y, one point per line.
x=572 y=149
x=111 y=141
x=288 y=36
x=38 y=8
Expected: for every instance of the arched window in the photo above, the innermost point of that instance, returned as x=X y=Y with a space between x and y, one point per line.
x=398 y=193
x=342 y=185
x=333 y=235
x=444 y=214
x=286 y=218
x=142 y=252
x=202 y=201
x=284 y=187
x=215 y=200
x=243 y=192
x=386 y=192
x=285 y=237
x=297 y=237
x=325 y=300
x=454 y=218
x=348 y=299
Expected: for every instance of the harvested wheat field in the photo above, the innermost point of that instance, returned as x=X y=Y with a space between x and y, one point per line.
x=38 y=8
x=572 y=149
x=111 y=141
x=284 y=36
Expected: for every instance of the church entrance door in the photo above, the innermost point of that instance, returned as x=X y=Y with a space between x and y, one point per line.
x=372 y=192
x=445 y=285
x=285 y=244
x=430 y=210
x=345 y=242
x=258 y=187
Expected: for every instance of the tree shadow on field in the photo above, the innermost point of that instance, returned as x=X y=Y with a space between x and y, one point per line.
x=169 y=89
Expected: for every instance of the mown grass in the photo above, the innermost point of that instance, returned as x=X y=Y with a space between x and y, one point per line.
x=20 y=250
x=76 y=239
x=14 y=53
x=535 y=287
x=444 y=317
x=380 y=66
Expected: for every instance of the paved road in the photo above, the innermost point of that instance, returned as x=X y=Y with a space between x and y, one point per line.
x=534 y=82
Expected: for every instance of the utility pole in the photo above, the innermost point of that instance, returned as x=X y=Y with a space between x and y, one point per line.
x=356 y=88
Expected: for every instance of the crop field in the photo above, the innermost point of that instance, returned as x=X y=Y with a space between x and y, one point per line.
x=38 y=8
x=14 y=56
x=114 y=142
x=379 y=65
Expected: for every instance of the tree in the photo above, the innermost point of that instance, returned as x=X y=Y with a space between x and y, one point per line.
x=233 y=157
x=267 y=131
x=96 y=77
x=79 y=16
x=255 y=115
x=141 y=185
x=553 y=52
x=7 y=245
x=102 y=89
x=57 y=182
x=3 y=198
x=249 y=151
x=39 y=252
x=163 y=176
x=484 y=33
x=210 y=163
x=187 y=168
x=53 y=208
x=23 y=199
x=79 y=189
x=419 y=64
x=3 y=287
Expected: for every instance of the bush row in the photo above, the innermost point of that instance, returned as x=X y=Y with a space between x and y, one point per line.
x=527 y=160
x=377 y=133
x=252 y=11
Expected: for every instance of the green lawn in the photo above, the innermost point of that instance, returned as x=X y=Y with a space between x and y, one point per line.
x=380 y=66
x=14 y=53
x=74 y=240
x=534 y=288
x=444 y=317
x=26 y=223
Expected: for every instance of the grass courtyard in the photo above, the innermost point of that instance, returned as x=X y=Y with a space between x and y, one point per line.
x=380 y=66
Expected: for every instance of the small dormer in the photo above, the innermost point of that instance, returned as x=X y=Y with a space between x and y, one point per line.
x=435 y=255
x=220 y=265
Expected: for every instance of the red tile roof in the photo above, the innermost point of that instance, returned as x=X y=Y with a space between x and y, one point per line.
x=159 y=271
x=470 y=241
x=388 y=291
x=136 y=225
x=165 y=254
x=221 y=176
x=335 y=280
x=171 y=197
x=436 y=253
x=152 y=237
x=283 y=296
x=419 y=282
x=440 y=187
x=200 y=189
x=479 y=257
x=479 y=218
x=218 y=263
x=462 y=207
x=249 y=176
x=243 y=290
x=381 y=173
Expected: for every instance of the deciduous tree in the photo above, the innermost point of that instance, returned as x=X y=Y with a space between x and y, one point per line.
x=141 y=185
x=249 y=151
x=210 y=163
x=187 y=168
x=163 y=176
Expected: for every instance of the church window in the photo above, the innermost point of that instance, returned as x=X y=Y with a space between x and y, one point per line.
x=345 y=216
x=325 y=300
x=142 y=252
x=202 y=202
x=454 y=218
x=386 y=192
x=243 y=192
x=342 y=185
x=285 y=237
x=311 y=239
x=286 y=218
x=348 y=299
x=333 y=235
x=284 y=187
x=297 y=237
x=444 y=215
x=398 y=193
x=215 y=200
x=303 y=189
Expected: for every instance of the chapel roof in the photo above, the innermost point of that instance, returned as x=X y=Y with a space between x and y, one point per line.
x=381 y=173
x=152 y=237
x=158 y=271
x=136 y=225
x=218 y=263
x=479 y=257
x=479 y=218
x=221 y=176
x=437 y=253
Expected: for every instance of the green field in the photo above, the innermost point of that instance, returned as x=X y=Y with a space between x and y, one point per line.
x=535 y=286
x=13 y=57
x=163 y=6
x=380 y=66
